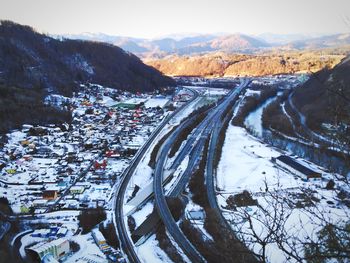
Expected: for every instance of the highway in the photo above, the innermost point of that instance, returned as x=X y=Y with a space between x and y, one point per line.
x=243 y=252
x=163 y=209
x=144 y=195
x=194 y=145
x=212 y=114
x=126 y=244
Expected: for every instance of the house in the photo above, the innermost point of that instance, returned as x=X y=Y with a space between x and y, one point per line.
x=25 y=143
x=43 y=233
x=11 y=171
x=296 y=167
x=24 y=209
x=62 y=232
x=101 y=165
x=71 y=204
x=127 y=105
x=100 y=203
x=56 y=248
x=100 y=240
x=112 y=154
x=77 y=189
x=91 y=259
x=196 y=215
x=27 y=157
x=50 y=194
x=39 y=202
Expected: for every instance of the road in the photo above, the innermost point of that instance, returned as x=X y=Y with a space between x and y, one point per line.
x=244 y=253
x=194 y=145
x=217 y=126
x=126 y=243
x=212 y=114
x=163 y=209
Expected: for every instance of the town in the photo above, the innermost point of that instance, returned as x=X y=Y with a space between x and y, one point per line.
x=174 y=131
x=69 y=168
x=59 y=182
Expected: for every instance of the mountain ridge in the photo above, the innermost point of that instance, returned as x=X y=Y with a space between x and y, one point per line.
x=33 y=65
x=232 y=65
x=205 y=43
x=325 y=98
x=30 y=59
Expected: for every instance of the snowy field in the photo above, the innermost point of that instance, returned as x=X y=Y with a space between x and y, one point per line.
x=150 y=252
x=207 y=91
x=246 y=165
x=156 y=102
x=135 y=100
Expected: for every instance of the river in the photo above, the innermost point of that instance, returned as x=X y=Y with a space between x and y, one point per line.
x=325 y=159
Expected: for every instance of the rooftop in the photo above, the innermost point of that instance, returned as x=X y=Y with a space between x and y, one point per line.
x=40 y=247
x=296 y=165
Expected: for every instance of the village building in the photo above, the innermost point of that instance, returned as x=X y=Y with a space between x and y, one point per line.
x=56 y=248
x=296 y=167
x=77 y=189
x=39 y=202
x=50 y=194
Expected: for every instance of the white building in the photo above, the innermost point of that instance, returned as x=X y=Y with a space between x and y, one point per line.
x=57 y=248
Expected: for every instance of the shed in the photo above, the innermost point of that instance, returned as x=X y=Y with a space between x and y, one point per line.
x=57 y=248
x=296 y=167
x=50 y=194
x=77 y=189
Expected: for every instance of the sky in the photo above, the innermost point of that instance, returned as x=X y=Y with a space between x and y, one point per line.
x=155 y=18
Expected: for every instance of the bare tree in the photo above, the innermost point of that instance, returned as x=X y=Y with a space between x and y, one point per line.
x=313 y=234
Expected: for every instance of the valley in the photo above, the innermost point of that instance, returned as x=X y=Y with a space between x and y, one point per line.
x=123 y=140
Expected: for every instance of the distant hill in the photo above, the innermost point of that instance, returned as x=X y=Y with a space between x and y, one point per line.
x=133 y=45
x=281 y=39
x=270 y=63
x=29 y=59
x=321 y=42
x=145 y=47
x=193 y=45
x=237 y=42
x=184 y=46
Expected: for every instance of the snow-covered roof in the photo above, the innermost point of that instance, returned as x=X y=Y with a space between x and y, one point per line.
x=40 y=247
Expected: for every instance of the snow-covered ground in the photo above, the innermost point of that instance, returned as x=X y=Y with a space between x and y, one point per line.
x=185 y=112
x=197 y=222
x=135 y=100
x=156 y=102
x=150 y=252
x=208 y=91
x=142 y=214
x=55 y=157
x=87 y=247
x=246 y=165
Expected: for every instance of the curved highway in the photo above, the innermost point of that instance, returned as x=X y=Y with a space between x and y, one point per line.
x=213 y=113
x=125 y=241
x=164 y=211
x=209 y=179
x=195 y=145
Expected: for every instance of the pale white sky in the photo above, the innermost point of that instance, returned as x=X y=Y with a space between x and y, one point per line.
x=153 y=18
